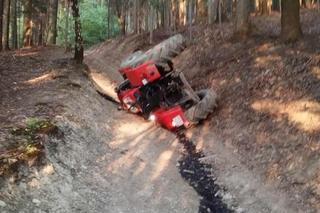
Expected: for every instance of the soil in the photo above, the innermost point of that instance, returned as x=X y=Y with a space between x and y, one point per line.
x=269 y=110
x=259 y=152
x=101 y=160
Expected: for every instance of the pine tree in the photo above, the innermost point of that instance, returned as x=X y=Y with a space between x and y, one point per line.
x=52 y=21
x=290 y=20
x=1 y=21
x=14 y=29
x=78 y=50
x=242 y=25
x=27 y=24
x=6 y=24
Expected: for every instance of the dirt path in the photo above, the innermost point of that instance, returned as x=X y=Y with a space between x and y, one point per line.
x=105 y=160
x=245 y=191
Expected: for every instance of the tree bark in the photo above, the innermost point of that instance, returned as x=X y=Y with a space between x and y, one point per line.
x=190 y=17
x=41 y=30
x=52 y=21
x=151 y=23
x=27 y=24
x=242 y=25
x=122 y=23
x=78 y=49
x=6 y=24
x=14 y=29
x=290 y=20
x=276 y=5
x=212 y=11
x=66 y=30
x=201 y=9
x=263 y=5
x=109 y=19
x=229 y=7
x=167 y=15
x=1 y=26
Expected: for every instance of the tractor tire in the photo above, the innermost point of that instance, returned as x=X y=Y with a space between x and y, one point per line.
x=133 y=60
x=160 y=54
x=206 y=105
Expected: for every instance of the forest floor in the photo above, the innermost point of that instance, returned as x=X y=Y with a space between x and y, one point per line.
x=269 y=110
x=64 y=148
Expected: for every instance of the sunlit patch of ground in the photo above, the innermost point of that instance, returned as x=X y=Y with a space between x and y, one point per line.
x=42 y=78
x=267 y=60
x=104 y=84
x=52 y=75
x=304 y=114
x=162 y=162
x=316 y=71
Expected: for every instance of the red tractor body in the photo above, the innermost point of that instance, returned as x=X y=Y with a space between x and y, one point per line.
x=171 y=117
x=153 y=89
x=142 y=74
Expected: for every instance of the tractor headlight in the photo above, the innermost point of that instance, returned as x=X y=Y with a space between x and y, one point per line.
x=152 y=117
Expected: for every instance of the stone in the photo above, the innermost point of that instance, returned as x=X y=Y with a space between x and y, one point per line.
x=2 y=203
x=36 y=201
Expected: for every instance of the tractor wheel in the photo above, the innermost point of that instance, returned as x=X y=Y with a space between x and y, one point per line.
x=160 y=54
x=133 y=60
x=206 y=105
x=164 y=52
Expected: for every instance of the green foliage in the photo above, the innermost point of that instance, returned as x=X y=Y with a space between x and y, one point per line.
x=94 y=21
x=34 y=126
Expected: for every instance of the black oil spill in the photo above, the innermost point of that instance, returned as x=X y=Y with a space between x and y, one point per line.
x=199 y=176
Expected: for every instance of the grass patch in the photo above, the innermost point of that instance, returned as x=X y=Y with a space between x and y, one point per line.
x=27 y=145
x=35 y=126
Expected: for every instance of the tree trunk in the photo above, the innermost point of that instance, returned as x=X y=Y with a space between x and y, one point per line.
x=52 y=21
x=229 y=7
x=66 y=30
x=109 y=19
x=1 y=26
x=304 y=3
x=276 y=5
x=190 y=17
x=41 y=30
x=175 y=14
x=27 y=24
x=290 y=20
x=212 y=11
x=78 y=49
x=242 y=25
x=263 y=5
x=6 y=24
x=151 y=23
x=201 y=9
x=135 y=16
x=14 y=29
x=122 y=24
x=19 y=12
x=166 y=15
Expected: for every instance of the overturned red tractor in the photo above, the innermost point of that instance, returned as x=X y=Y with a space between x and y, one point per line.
x=153 y=89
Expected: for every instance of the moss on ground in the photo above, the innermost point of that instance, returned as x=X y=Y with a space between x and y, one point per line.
x=27 y=144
